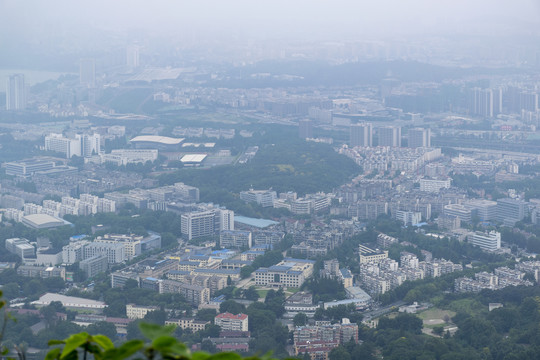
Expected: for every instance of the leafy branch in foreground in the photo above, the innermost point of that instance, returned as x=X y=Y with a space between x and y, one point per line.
x=162 y=345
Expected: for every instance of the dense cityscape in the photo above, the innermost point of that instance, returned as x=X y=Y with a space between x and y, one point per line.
x=323 y=200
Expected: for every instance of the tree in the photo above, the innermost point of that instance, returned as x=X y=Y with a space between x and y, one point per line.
x=206 y=314
x=162 y=345
x=251 y=294
x=232 y=307
x=300 y=319
x=339 y=353
x=438 y=330
x=156 y=317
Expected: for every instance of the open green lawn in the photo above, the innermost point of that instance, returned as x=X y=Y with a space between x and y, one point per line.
x=469 y=306
x=434 y=316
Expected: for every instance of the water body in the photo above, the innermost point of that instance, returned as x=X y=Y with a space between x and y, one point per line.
x=31 y=77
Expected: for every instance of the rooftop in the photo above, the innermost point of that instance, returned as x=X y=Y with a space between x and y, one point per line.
x=230 y=316
x=158 y=139
x=259 y=223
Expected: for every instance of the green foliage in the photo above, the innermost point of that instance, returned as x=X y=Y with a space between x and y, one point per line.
x=325 y=289
x=300 y=319
x=286 y=163
x=161 y=345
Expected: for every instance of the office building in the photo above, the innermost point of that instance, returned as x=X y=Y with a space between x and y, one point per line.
x=87 y=72
x=486 y=210
x=408 y=217
x=419 y=137
x=235 y=239
x=16 y=92
x=486 y=241
x=361 y=135
x=80 y=145
x=464 y=213
x=390 y=136
x=305 y=129
x=198 y=224
x=115 y=252
x=194 y=294
x=288 y=273
x=27 y=167
x=20 y=247
x=510 y=211
x=265 y=198
x=230 y=322
x=94 y=265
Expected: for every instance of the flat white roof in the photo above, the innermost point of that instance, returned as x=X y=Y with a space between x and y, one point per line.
x=158 y=139
x=42 y=219
x=193 y=158
x=69 y=301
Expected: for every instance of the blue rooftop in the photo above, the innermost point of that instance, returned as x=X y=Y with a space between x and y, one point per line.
x=259 y=223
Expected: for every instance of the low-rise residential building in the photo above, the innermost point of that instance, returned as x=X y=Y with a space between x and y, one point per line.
x=138 y=311
x=231 y=322
x=368 y=255
x=188 y=323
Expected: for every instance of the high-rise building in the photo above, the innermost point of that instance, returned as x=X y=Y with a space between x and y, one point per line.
x=305 y=129
x=16 y=92
x=419 y=137
x=132 y=57
x=87 y=72
x=485 y=102
x=390 y=136
x=361 y=135
x=198 y=224
x=80 y=145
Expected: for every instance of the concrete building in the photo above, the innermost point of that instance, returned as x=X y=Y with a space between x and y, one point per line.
x=94 y=265
x=408 y=217
x=265 y=198
x=434 y=185
x=27 y=167
x=20 y=247
x=198 y=224
x=115 y=252
x=230 y=322
x=486 y=241
x=486 y=210
x=235 y=239
x=510 y=211
x=361 y=135
x=289 y=273
x=188 y=323
x=121 y=157
x=16 y=93
x=73 y=252
x=390 y=136
x=138 y=311
x=419 y=138
x=368 y=255
x=463 y=212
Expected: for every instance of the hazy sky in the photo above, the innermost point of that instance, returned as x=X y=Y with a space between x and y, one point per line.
x=277 y=18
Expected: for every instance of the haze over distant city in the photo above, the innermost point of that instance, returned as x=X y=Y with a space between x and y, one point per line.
x=318 y=180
